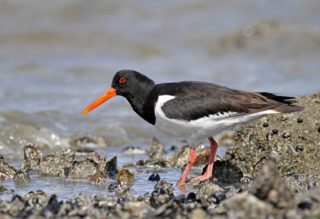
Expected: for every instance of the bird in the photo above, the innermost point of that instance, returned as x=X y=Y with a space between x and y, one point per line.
x=193 y=110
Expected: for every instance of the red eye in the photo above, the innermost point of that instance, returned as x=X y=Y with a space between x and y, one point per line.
x=122 y=80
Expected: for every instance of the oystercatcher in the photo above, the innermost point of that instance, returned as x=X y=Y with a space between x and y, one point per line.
x=193 y=110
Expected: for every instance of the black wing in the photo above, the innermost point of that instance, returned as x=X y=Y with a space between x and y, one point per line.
x=198 y=99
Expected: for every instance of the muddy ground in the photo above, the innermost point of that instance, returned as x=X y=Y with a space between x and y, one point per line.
x=272 y=170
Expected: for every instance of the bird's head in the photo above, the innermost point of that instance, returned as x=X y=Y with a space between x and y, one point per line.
x=126 y=83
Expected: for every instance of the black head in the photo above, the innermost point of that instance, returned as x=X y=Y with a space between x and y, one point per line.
x=130 y=83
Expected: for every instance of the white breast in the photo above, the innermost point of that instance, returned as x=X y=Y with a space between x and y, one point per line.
x=196 y=130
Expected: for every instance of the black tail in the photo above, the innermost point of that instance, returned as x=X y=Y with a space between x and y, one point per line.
x=286 y=104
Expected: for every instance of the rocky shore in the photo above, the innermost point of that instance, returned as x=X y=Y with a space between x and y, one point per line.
x=271 y=170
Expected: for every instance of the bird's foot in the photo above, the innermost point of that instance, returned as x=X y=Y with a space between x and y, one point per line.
x=202 y=177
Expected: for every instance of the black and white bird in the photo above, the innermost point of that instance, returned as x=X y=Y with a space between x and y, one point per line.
x=193 y=110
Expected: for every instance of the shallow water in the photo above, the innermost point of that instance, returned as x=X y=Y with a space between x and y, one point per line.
x=56 y=57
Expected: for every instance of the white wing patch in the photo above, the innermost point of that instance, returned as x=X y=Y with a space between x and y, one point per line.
x=204 y=127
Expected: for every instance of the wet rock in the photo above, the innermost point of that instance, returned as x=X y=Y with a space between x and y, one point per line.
x=167 y=187
x=219 y=196
x=162 y=193
x=132 y=150
x=57 y=165
x=270 y=187
x=111 y=168
x=99 y=177
x=246 y=206
x=124 y=176
x=52 y=207
x=83 y=169
x=6 y=171
x=2 y=188
x=123 y=193
x=206 y=191
x=32 y=156
x=87 y=142
x=156 y=149
x=21 y=177
x=161 y=162
x=38 y=197
x=154 y=177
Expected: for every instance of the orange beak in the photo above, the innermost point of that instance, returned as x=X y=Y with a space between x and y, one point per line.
x=100 y=100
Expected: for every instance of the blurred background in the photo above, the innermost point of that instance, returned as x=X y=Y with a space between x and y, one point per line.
x=58 y=56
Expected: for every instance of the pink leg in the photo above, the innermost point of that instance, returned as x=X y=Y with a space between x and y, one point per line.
x=213 y=151
x=192 y=159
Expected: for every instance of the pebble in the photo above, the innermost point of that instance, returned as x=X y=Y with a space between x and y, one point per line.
x=191 y=197
x=265 y=125
x=299 y=120
x=286 y=134
x=299 y=148
x=219 y=196
x=124 y=176
x=154 y=177
x=305 y=205
x=274 y=131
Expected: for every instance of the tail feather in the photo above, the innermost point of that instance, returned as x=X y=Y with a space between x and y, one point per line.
x=286 y=104
x=280 y=99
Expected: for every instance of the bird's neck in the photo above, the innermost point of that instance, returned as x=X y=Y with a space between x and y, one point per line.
x=139 y=101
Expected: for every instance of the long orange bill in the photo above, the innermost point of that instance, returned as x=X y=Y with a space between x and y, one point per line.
x=100 y=100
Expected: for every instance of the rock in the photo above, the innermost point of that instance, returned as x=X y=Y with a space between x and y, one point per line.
x=32 y=156
x=191 y=197
x=156 y=149
x=52 y=208
x=226 y=172
x=154 y=177
x=206 y=192
x=84 y=152
x=99 y=177
x=111 y=168
x=2 y=188
x=199 y=213
x=254 y=143
x=83 y=169
x=246 y=206
x=124 y=176
x=137 y=209
x=57 y=165
x=87 y=142
x=21 y=177
x=269 y=187
x=6 y=171
x=219 y=196
x=162 y=193
x=132 y=150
